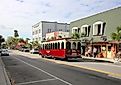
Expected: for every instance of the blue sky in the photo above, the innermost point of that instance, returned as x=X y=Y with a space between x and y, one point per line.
x=22 y=14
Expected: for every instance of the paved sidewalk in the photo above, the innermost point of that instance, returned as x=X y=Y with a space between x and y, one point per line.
x=101 y=59
x=111 y=69
x=4 y=80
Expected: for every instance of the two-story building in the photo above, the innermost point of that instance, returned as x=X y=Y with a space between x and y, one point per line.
x=40 y=29
x=97 y=29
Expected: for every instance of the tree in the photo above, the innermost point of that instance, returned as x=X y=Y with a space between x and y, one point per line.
x=21 y=40
x=75 y=35
x=35 y=44
x=27 y=39
x=116 y=35
x=1 y=40
x=16 y=33
x=12 y=41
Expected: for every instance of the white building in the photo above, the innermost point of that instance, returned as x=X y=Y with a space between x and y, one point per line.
x=40 y=29
x=57 y=35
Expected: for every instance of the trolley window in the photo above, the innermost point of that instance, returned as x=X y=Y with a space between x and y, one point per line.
x=51 y=46
x=62 y=45
x=55 y=45
x=79 y=46
x=46 y=46
x=68 y=45
x=74 y=45
x=43 y=46
x=58 y=45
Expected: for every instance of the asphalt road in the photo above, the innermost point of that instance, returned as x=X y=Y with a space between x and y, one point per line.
x=27 y=71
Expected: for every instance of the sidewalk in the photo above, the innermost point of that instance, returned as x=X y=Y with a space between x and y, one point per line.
x=111 y=69
x=4 y=80
x=101 y=59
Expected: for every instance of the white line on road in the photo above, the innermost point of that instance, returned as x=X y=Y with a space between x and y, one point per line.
x=35 y=81
x=44 y=72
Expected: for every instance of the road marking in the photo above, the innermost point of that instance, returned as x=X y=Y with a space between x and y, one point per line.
x=88 y=68
x=31 y=82
x=85 y=67
x=44 y=72
x=97 y=70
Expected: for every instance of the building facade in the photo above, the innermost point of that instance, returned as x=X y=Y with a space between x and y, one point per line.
x=40 y=29
x=97 y=30
x=57 y=35
x=97 y=26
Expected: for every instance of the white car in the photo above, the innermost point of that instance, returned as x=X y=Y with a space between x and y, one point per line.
x=34 y=51
x=4 y=52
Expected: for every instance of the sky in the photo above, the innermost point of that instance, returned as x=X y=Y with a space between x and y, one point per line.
x=21 y=15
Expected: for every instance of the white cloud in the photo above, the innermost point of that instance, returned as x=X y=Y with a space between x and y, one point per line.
x=22 y=14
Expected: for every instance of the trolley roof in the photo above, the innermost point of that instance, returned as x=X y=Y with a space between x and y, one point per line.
x=61 y=40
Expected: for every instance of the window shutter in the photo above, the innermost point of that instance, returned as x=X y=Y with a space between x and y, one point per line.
x=103 y=28
x=88 y=30
x=94 y=30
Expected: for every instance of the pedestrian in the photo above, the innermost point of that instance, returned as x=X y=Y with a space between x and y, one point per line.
x=86 y=52
x=89 y=51
x=95 y=52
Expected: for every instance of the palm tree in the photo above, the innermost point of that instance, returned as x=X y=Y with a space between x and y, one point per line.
x=16 y=33
x=116 y=35
x=35 y=44
x=27 y=39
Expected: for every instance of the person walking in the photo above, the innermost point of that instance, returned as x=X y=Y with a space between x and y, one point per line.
x=95 y=52
x=90 y=51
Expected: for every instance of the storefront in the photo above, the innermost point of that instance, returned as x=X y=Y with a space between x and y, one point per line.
x=103 y=49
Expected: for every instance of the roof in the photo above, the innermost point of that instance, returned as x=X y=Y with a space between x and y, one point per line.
x=97 y=14
x=68 y=39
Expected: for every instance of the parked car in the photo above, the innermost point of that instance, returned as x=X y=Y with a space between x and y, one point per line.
x=34 y=51
x=26 y=50
x=4 y=52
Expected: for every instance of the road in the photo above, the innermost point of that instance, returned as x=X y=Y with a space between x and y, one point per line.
x=28 y=71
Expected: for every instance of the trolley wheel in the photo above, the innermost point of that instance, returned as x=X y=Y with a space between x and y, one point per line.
x=54 y=58
x=43 y=56
x=65 y=59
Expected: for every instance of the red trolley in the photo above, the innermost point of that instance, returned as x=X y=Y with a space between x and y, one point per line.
x=62 y=48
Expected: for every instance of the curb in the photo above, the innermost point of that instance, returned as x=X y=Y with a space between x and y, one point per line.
x=5 y=73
